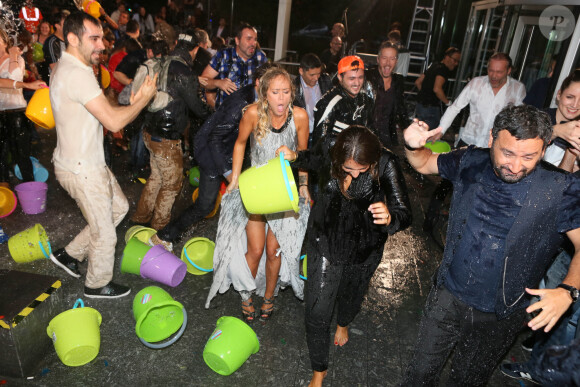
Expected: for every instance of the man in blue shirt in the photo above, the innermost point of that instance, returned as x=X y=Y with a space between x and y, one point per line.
x=232 y=67
x=509 y=212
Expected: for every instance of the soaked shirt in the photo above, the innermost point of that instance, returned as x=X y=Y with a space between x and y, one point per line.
x=477 y=264
x=483 y=107
x=11 y=98
x=476 y=269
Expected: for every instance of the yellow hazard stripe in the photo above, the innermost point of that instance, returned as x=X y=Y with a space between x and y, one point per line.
x=26 y=311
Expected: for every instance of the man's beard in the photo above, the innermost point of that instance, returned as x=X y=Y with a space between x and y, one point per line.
x=503 y=173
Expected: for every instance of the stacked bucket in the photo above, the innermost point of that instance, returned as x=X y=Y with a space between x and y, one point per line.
x=155 y=262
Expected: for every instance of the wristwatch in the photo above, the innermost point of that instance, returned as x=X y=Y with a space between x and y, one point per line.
x=573 y=291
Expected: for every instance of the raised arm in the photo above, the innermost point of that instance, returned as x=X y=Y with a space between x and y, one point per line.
x=421 y=159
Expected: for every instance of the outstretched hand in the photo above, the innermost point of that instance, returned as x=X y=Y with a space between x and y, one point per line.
x=552 y=305
x=147 y=90
x=418 y=133
x=289 y=154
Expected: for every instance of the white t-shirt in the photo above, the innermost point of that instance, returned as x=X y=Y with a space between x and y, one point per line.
x=79 y=145
x=11 y=98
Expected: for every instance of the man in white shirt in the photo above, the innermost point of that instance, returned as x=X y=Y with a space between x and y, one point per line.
x=80 y=110
x=486 y=96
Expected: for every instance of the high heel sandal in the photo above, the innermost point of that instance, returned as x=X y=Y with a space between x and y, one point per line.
x=248 y=316
x=265 y=314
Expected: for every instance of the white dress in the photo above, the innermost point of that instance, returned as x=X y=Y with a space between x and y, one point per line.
x=229 y=261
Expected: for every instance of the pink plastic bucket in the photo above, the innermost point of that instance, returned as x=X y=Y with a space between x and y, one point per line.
x=32 y=196
x=162 y=266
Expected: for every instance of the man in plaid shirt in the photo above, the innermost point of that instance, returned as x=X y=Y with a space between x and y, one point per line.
x=232 y=67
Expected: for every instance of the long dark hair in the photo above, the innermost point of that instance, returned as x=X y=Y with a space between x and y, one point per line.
x=357 y=143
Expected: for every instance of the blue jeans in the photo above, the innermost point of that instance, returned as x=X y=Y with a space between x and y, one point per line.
x=209 y=188
x=431 y=115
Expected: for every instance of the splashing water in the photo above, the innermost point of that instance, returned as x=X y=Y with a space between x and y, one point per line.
x=9 y=22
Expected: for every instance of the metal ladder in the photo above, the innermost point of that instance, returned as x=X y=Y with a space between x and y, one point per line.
x=419 y=40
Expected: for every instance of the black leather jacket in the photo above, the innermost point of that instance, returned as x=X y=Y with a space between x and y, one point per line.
x=324 y=82
x=400 y=117
x=337 y=110
x=183 y=86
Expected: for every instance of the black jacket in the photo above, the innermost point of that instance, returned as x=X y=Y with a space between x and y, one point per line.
x=183 y=86
x=214 y=143
x=374 y=83
x=337 y=110
x=324 y=82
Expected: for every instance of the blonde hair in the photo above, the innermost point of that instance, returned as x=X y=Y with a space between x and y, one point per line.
x=264 y=120
x=4 y=36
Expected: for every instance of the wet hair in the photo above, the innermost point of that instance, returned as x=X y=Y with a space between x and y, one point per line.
x=184 y=41
x=310 y=61
x=264 y=120
x=524 y=122
x=241 y=27
x=452 y=50
x=357 y=143
x=573 y=77
x=387 y=44
x=501 y=56
x=75 y=24
x=7 y=41
x=260 y=71
x=156 y=43
x=132 y=26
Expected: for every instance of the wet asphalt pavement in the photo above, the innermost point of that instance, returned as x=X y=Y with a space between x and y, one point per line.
x=381 y=337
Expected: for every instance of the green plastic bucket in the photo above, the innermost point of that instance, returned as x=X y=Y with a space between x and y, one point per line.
x=197 y=254
x=30 y=245
x=438 y=146
x=194 y=177
x=76 y=335
x=230 y=345
x=269 y=188
x=140 y=232
x=158 y=316
x=133 y=254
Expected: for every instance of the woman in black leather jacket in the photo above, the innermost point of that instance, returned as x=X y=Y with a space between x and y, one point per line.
x=363 y=199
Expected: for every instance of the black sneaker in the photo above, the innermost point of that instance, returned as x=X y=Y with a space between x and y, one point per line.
x=518 y=371
x=528 y=344
x=66 y=262
x=110 y=290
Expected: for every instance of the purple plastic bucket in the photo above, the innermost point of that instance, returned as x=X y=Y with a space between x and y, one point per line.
x=162 y=266
x=32 y=196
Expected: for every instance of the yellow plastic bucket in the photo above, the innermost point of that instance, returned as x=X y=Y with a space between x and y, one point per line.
x=8 y=202
x=105 y=77
x=140 y=232
x=269 y=188
x=30 y=245
x=92 y=8
x=197 y=254
x=218 y=201
x=230 y=345
x=76 y=334
x=39 y=109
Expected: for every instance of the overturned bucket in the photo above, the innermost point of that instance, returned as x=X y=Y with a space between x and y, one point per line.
x=157 y=317
x=269 y=188
x=8 y=202
x=39 y=109
x=32 y=196
x=30 y=245
x=40 y=173
x=162 y=266
x=140 y=232
x=76 y=334
x=133 y=255
x=230 y=345
x=197 y=254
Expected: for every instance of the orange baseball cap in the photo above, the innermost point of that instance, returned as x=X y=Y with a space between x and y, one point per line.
x=351 y=62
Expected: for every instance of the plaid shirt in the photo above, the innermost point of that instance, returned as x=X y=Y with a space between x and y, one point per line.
x=230 y=65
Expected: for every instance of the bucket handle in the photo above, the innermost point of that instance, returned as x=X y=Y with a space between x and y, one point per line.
x=79 y=302
x=44 y=251
x=196 y=266
x=302 y=276
x=173 y=340
x=283 y=163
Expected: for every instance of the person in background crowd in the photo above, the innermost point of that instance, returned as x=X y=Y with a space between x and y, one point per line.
x=54 y=45
x=31 y=16
x=167 y=31
x=331 y=56
x=232 y=67
x=146 y=24
x=386 y=88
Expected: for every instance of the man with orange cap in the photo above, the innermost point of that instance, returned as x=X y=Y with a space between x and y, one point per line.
x=344 y=105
